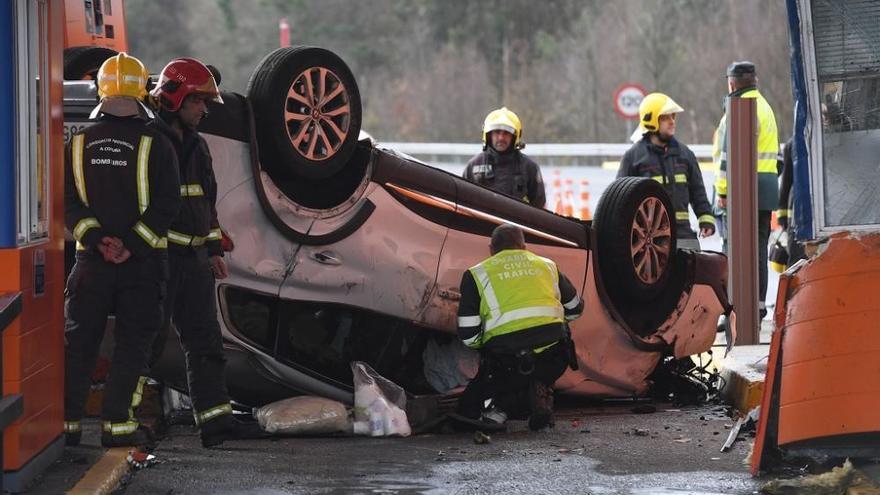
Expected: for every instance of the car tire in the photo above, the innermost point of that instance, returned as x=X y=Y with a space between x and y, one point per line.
x=305 y=128
x=83 y=62
x=636 y=242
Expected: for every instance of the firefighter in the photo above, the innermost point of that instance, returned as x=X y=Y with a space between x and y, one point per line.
x=742 y=82
x=502 y=166
x=121 y=194
x=182 y=92
x=514 y=308
x=656 y=154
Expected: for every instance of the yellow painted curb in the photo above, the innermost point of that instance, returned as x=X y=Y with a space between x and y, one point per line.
x=104 y=476
x=746 y=394
x=744 y=373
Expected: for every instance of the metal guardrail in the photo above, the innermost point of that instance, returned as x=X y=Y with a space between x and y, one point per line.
x=11 y=406
x=572 y=150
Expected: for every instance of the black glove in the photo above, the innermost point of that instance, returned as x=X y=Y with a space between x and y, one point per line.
x=709 y=226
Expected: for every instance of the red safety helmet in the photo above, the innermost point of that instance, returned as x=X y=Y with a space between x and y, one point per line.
x=181 y=78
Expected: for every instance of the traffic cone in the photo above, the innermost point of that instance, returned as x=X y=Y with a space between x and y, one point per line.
x=556 y=182
x=584 y=210
x=568 y=201
x=558 y=203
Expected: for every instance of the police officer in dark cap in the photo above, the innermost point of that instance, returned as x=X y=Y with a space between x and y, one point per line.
x=741 y=69
x=742 y=82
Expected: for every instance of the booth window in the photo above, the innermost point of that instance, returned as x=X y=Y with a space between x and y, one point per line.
x=847 y=36
x=32 y=141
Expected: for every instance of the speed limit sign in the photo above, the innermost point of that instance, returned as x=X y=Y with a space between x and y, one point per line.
x=627 y=98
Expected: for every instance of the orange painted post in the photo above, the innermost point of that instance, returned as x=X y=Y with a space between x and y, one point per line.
x=742 y=213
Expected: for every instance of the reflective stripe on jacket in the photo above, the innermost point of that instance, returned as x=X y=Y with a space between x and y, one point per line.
x=518 y=291
x=196 y=225
x=120 y=181
x=768 y=150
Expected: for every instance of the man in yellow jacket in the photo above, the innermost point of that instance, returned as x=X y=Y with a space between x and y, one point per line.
x=514 y=307
x=742 y=82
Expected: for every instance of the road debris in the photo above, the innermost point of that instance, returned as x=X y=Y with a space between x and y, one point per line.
x=140 y=460
x=745 y=423
x=379 y=404
x=481 y=438
x=842 y=479
x=304 y=415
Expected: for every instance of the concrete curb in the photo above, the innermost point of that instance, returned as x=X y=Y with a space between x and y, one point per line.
x=744 y=370
x=104 y=476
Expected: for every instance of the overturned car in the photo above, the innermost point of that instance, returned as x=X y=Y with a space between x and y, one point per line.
x=340 y=250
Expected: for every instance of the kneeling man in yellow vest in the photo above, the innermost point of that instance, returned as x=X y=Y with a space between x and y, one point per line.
x=514 y=308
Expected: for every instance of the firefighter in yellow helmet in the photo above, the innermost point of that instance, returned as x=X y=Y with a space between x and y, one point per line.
x=742 y=81
x=502 y=166
x=121 y=194
x=657 y=155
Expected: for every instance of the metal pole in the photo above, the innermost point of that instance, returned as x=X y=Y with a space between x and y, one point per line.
x=742 y=213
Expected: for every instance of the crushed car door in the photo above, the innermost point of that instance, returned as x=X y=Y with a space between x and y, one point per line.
x=388 y=264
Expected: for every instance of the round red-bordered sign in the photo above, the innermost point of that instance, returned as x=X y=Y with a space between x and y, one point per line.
x=627 y=98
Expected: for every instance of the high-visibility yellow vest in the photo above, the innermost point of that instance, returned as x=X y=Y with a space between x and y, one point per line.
x=768 y=150
x=518 y=290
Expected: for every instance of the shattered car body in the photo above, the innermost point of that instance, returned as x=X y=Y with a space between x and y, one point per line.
x=341 y=250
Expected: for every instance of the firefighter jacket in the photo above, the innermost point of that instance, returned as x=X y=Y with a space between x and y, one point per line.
x=676 y=167
x=515 y=300
x=511 y=173
x=121 y=181
x=768 y=149
x=196 y=225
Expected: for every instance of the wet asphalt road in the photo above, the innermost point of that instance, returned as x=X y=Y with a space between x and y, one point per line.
x=592 y=450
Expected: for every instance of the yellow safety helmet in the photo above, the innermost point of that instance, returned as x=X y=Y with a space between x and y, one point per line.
x=122 y=75
x=652 y=107
x=503 y=120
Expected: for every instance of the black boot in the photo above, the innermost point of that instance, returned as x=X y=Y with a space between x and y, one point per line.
x=540 y=405
x=72 y=438
x=226 y=427
x=466 y=423
x=138 y=438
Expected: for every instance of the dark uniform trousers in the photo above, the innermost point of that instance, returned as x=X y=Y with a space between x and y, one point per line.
x=501 y=377
x=133 y=290
x=191 y=303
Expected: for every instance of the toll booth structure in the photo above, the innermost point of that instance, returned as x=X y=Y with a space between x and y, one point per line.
x=32 y=231
x=822 y=390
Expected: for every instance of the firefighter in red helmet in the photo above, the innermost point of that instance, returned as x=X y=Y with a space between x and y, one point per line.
x=183 y=92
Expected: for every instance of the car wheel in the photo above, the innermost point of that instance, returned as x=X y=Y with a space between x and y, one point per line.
x=635 y=230
x=307 y=109
x=83 y=62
